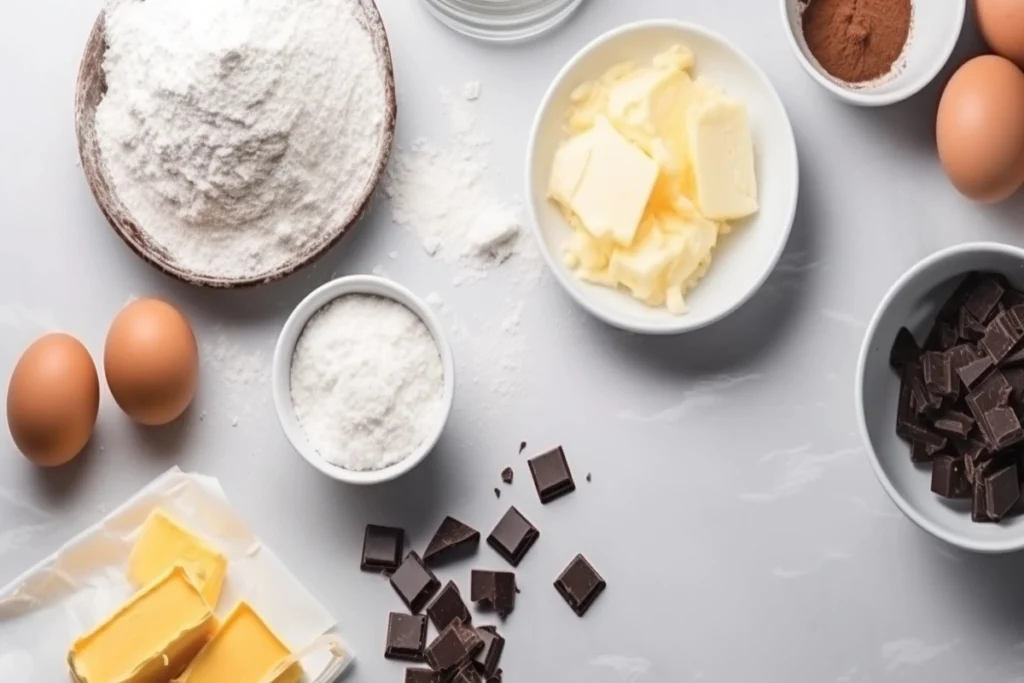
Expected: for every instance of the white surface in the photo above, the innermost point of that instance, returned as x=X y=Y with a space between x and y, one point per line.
x=74 y=590
x=731 y=454
x=934 y=31
x=285 y=350
x=912 y=303
x=744 y=258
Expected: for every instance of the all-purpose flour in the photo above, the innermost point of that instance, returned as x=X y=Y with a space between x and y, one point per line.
x=367 y=382
x=237 y=131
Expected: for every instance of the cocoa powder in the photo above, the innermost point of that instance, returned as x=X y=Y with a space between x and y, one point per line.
x=857 y=40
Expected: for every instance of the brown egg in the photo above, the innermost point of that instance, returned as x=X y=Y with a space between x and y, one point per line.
x=980 y=129
x=1002 y=26
x=52 y=400
x=151 y=362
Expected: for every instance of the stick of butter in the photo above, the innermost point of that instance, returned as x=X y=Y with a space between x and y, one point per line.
x=723 y=159
x=150 y=639
x=244 y=650
x=165 y=543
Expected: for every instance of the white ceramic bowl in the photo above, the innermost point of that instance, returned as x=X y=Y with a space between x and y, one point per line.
x=934 y=33
x=744 y=259
x=913 y=302
x=281 y=379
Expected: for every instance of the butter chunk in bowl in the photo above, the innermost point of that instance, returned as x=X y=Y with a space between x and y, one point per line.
x=662 y=177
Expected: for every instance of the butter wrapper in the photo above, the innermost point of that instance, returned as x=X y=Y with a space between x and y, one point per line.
x=45 y=609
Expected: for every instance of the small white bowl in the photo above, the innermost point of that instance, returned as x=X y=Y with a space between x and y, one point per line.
x=912 y=303
x=744 y=259
x=934 y=33
x=281 y=379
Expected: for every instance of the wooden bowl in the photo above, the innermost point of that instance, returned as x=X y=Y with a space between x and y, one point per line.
x=92 y=86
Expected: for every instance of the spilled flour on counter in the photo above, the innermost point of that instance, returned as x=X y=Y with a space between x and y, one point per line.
x=446 y=195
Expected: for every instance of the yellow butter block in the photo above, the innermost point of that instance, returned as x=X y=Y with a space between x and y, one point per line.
x=244 y=650
x=150 y=639
x=165 y=543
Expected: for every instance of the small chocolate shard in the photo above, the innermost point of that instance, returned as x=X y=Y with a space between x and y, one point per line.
x=452 y=539
x=507 y=475
x=497 y=493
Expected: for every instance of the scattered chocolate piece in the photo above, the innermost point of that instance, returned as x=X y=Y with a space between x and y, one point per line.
x=448 y=650
x=904 y=350
x=1002 y=336
x=937 y=367
x=954 y=423
x=452 y=539
x=414 y=583
x=447 y=607
x=551 y=475
x=580 y=585
x=496 y=590
x=507 y=475
x=497 y=493
x=948 y=478
x=407 y=635
x=522 y=447
x=489 y=656
x=513 y=537
x=588 y=477
x=1002 y=490
x=382 y=548
x=420 y=676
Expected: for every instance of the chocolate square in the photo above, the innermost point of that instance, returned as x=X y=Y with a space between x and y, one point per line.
x=979 y=504
x=513 y=537
x=414 y=583
x=948 y=478
x=447 y=607
x=496 y=590
x=580 y=585
x=955 y=303
x=1002 y=336
x=551 y=475
x=406 y=637
x=1002 y=491
x=382 y=548
x=983 y=299
x=448 y=650
x=939 y=378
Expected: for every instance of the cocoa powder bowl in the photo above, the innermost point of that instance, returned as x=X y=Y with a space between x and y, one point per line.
x=935 y=28
x=91 y=88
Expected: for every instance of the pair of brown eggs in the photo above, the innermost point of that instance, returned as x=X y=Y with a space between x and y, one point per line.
x=151 y=363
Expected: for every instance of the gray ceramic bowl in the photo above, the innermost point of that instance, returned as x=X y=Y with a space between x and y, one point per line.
x=913 y=302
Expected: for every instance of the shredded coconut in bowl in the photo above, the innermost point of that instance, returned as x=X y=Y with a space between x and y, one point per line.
x=241 y=134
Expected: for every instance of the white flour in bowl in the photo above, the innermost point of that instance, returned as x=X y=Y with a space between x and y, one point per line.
x=240 y=133
x=367 y=382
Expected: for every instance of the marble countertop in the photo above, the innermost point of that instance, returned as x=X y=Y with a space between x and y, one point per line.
x=731 y=509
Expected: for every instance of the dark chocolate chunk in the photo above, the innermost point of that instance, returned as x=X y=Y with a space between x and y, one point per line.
x=469 y=636
x=448 y=650
x=382 y=548
x=904 y=350
x=1002 y=490
x=497 y=493
x=414 y=583
x=452 y=539
x=489 y=656
x=988 y=403
x=493 y=589
x=955 y=303
x=551 y=475
x=975 y=466
x=983 y=300
x=406 y=637
x=465 y=674
x=948 y=478
x=979 y=505
x=420 y=676
x=1014 y=359
x=447 y=607
x=942 y=337
x=954 y=423
x=969 y=363
x=968 y=448
x=507 y=475
x=922 y=453
x=909 y=426
x=922 y=400
x=522 y=446
x=968 y=328
x=939 y=378
x=580 y=585
x=1002 y=336
x=1015 y=376
x=589 y=477
x=513 y=537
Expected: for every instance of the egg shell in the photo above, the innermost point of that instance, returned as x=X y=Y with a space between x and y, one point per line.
x=1001 y=23
x=53 y=399
x=151 y=361
x=980 y=129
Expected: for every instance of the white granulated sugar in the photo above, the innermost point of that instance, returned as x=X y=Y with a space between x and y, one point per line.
x=367 y=382
x=471 y=91
x=446 y=195
x=236 y=131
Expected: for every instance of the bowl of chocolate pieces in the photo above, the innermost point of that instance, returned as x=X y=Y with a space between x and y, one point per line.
x=940 y=396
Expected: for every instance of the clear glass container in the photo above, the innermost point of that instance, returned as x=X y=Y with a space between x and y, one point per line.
x=502 y=20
